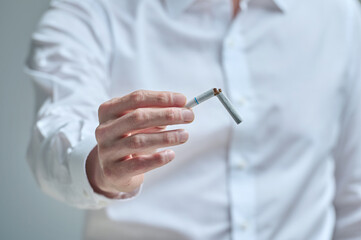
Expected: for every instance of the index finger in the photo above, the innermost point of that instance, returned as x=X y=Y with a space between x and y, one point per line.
x=117 y=107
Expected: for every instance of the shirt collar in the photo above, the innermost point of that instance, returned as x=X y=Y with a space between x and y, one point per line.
x=283 y=5
x=176 y=7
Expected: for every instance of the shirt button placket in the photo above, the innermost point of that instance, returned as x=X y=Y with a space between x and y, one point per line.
x=243 y=225
x=241 y=178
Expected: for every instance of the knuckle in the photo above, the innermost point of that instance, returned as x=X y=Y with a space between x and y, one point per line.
x=139 y=116
x=170 y=138
x=101 y=111
x=137 y=96
x=162 y=98
x=137 y=142
x=171 y=115
x=103 y=108
x=99 y=133
x=160 y=160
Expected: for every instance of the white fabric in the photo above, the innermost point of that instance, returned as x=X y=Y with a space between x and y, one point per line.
x=291 y=170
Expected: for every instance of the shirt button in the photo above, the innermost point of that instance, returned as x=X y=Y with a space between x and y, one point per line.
x=243 y=226
x=230 y=43
x=241 y=164
x=243 y=5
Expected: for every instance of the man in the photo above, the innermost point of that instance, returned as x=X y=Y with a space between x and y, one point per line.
x=291 y=170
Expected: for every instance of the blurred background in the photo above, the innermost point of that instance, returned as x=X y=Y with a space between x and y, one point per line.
x=25 y=212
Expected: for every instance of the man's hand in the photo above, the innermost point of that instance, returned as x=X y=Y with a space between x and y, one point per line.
x=131 y=129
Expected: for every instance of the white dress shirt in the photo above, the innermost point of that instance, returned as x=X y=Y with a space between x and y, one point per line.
x=291 y=170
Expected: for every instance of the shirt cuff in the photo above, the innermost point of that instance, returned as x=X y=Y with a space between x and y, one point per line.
x=80 y=182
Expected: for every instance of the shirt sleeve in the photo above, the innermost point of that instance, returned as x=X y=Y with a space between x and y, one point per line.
x=348 y=153
x=69 y=64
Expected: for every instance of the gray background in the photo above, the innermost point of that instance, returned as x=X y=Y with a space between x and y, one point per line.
x=25 y=212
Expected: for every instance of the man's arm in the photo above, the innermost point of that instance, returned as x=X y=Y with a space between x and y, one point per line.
x=76 y=158
x=69 y=67
x=348 y=153
x=69 y=64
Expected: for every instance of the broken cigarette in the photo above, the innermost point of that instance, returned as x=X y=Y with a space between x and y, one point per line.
x=203 y=97
x=229 y=107
x=222 y=98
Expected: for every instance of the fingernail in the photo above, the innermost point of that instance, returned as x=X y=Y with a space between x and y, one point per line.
x=183 y=136
x=179 y=99
x=187 y=115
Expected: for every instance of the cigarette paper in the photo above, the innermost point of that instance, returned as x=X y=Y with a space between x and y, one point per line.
x=229 y=107
x=222 y=98
x=201 y=98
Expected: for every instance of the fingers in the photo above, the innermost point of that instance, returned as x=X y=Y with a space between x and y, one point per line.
x=131 y=128
x=117 y=107
x=143 y=118
x=145 y=163
x=143 y=143
x=122 y=170
x=149 y=130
